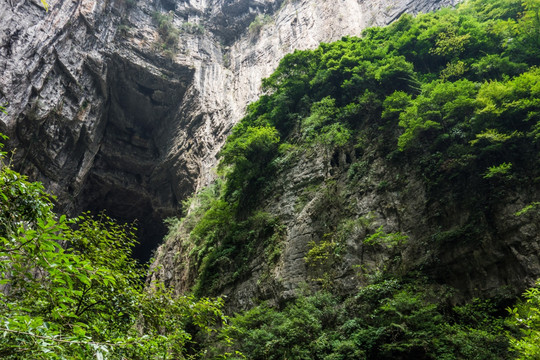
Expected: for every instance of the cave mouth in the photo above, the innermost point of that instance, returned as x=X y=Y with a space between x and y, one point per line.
x=126 y=184
x=132 y=207
x=130 y=180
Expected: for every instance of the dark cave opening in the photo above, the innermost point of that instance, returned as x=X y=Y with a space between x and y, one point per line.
x=129 y=207
x=129 y=179
x=123 y=184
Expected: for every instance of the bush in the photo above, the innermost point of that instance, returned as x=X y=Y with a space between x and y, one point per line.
x=385 y=320
x=525 y=317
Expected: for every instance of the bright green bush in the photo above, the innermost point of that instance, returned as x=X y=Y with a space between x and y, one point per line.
x=248 y=153
x=525 y=316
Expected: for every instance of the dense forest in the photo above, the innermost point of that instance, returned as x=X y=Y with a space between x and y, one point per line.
x=454 y=94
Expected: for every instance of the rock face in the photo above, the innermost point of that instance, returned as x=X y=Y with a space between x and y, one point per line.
x=109 y=115
x=375 y=216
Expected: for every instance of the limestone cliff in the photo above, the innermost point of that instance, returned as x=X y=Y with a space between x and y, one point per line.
x=107 y=117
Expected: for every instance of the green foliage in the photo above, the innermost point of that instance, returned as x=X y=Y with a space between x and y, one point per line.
x=441 y=105
x=449 y=80
x=468 y=232
x=320 y=126
x=454 y=70
x=248 y=153
x=220 y=243
x=192 y=28
x=257 y=24
x=69 y=288
x=320 y=253
x=493 y=136
x=464 y=122
x=168 y=33
x=389 y=240
x=532 y=206
x=450 y=44
x=223 y=252
x=384 y=320
x=394 y=104
x=501 y=170
x=322 y=258
x=525 y=316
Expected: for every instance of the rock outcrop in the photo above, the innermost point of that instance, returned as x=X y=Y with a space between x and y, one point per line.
x=108 y=115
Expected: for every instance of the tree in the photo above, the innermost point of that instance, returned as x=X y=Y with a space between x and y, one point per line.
x=69 y=288
x=248 y=152
x=526 y=317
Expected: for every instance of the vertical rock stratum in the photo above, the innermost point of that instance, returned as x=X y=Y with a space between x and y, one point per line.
x=109 y=114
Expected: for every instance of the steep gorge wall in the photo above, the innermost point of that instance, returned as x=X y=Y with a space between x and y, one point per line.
x=340 y=200
x=105 y=119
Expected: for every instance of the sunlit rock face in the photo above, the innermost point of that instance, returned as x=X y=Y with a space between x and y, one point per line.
x=107 y=117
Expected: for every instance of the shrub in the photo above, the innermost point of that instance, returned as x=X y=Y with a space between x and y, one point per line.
x=168 y=33
x=525 y=316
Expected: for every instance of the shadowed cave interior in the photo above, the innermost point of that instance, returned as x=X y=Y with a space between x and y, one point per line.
x=128 y=179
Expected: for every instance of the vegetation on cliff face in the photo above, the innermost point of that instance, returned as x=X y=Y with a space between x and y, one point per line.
x=460 y=87
x=456 y=96
x=385 y=320
x=454 y=93
x=526 y=318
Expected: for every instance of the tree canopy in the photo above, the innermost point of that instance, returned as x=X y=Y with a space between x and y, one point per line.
x=69 y=288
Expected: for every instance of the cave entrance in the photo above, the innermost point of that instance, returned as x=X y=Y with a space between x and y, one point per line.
x=127 y=203
x=129 y=179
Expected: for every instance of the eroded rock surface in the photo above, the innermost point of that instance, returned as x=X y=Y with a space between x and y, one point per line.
x=107 y=117
x=478 y=250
